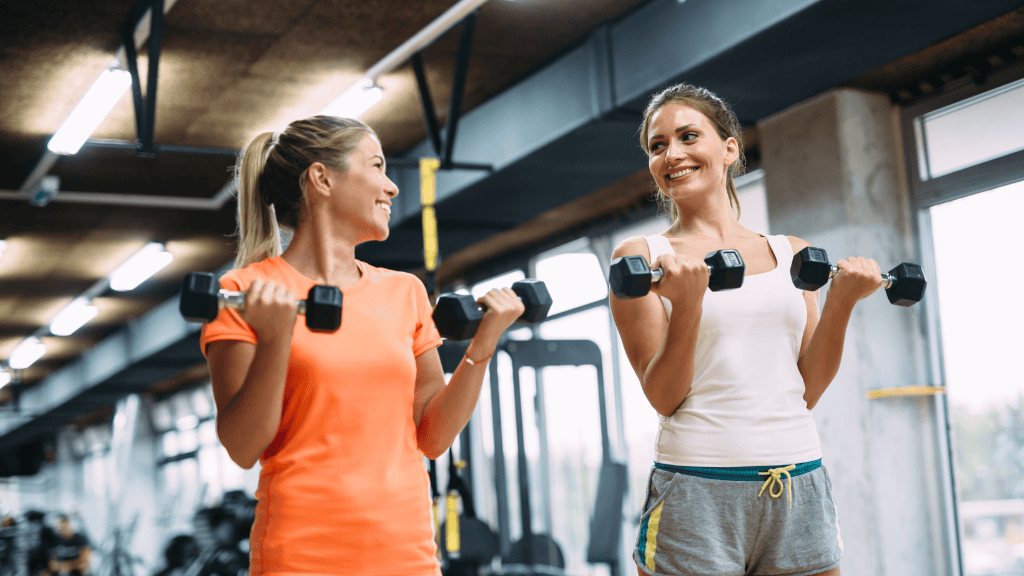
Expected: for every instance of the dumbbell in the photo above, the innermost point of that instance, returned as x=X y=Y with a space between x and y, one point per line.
x=904 y=284
x=631 y=277
x=202 y=299
x=457 y=316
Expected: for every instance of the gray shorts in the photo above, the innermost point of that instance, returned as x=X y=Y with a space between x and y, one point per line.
x=738 y=521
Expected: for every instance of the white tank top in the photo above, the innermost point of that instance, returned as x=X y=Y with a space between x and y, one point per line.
x=745 y=406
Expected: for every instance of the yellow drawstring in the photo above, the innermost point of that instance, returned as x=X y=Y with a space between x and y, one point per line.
x=775 y=480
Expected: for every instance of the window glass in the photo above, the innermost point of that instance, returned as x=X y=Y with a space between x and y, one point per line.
x=980 y=318
x=972 y=131
x=573 y=280
x=503 y=281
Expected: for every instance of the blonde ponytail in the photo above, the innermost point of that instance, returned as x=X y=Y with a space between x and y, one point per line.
x=258 y=234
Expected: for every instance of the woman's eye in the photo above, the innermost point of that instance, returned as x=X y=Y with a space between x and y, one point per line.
x=688 y=136
x=656 y=146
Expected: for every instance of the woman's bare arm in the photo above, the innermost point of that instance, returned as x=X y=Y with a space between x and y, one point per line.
x=248 y=380
x=662 y=350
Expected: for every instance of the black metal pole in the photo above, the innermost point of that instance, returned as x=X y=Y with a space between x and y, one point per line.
x=524 y=471
x=458 y=86
x=429 y=116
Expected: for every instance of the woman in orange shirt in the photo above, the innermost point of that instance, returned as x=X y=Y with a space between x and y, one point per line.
x=340 y=422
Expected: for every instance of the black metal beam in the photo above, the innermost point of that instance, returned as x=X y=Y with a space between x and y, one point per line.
x=394 y=162
x=458 y=86
x=145 y=105
x=429 y=116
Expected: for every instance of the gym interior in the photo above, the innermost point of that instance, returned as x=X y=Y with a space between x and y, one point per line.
x=891 y=130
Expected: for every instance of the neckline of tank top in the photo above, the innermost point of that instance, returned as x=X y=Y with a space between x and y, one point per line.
x=745 y=276
x=364 y=278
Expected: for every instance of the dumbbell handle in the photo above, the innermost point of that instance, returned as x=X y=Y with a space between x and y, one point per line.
x=236 y=301
x=657 y=273
x=889 y=279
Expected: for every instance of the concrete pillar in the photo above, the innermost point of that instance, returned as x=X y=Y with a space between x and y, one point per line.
x=834 y=176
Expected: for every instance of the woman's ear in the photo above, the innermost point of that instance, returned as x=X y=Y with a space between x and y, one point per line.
x=319 y=179
x=732 y=151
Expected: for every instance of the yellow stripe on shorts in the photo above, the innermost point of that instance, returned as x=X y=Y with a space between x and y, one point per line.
x=652 y=535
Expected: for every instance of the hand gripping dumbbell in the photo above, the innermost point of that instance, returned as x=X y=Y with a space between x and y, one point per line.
x=457 y=316
x=202 y=299
x=904 y=285
x=631 y=277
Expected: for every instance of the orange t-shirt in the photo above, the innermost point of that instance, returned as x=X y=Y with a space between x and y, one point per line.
x=343 y=487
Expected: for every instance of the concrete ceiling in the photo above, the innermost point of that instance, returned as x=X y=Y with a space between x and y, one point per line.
x=231 y=69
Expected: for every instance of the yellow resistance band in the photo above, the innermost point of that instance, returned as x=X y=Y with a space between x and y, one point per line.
x=428 y=194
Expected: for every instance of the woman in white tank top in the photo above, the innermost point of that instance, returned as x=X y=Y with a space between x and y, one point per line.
x=732 y=374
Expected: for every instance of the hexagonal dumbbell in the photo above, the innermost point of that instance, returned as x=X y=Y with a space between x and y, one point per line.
x=202 y=299
x=904 y=285
x=631 y=277
x=458 y=316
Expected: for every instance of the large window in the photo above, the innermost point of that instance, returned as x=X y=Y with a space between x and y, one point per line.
x=966 y=167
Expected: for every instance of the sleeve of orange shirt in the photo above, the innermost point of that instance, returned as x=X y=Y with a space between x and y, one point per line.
x=427 y=336
x=229 y=324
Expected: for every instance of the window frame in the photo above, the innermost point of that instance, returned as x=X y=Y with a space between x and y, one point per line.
x=924 y=194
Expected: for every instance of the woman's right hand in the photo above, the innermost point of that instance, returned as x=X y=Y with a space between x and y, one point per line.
x=270 y=309
x=685 y=278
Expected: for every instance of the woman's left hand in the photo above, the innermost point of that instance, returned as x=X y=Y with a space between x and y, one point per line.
x=502 y=307
x=857 y=279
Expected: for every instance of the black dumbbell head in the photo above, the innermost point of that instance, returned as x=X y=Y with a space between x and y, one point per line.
x=199 y=297
x=810 y=269
x=727 y=270
x=536 y=298
x=457 y=316
x=909 y=286
x=323 y=308
x=629 y=277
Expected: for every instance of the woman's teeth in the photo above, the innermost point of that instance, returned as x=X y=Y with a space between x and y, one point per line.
x=385 y=207
x=681 y=173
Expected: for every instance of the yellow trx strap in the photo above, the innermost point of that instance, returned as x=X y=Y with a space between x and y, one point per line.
x=428 y=194
x=452 y=525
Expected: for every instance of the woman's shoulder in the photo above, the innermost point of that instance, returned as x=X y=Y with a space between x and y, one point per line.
x=634 y=246
x=797 y=243
x=393 y=277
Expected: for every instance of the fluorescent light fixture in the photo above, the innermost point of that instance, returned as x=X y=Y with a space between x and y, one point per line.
x=3 y=244
x=72 y=317
x=90 y=111
x=356 y=100
x=26 y=353
x=5 y=377
x=137 y=269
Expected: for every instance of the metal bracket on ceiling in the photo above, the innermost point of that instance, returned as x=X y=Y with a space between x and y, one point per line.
x=145 y=106
x=444 y=147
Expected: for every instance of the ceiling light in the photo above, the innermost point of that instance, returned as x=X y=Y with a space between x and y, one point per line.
x=90 y=111
x=137 y=269
x=3 y=244
x=72 y=317
x=26 y=353
x=5 y=377
x=356 y=100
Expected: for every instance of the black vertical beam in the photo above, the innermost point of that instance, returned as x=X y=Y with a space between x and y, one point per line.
x=500 y=474
x=145 y=106
x=458 y=87
x=156 y=36
x=429 y=116
x=524 y=471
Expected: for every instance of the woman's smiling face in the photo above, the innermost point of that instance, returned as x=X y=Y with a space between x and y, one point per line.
x=686 y=153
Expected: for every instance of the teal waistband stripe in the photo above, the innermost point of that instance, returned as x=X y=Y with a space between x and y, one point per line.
x=748 y=473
